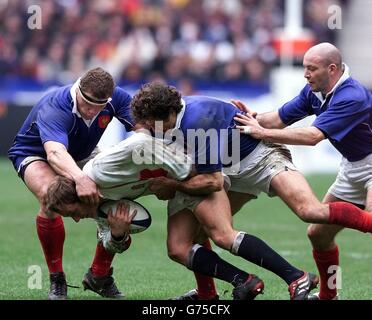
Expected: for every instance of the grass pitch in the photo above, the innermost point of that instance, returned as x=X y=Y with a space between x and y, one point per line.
x=145 y=271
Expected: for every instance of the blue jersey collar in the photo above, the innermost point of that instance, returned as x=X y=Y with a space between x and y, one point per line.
x=73 y=96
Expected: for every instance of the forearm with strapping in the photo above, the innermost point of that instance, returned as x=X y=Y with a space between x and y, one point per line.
x=105 y=237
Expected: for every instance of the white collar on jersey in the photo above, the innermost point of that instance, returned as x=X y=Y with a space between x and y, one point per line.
x=340 y=81
x=74 y=106
x=180 y=115
x=73 y=95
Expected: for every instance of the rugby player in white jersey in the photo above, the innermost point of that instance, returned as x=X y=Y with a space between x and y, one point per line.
x=126 y=170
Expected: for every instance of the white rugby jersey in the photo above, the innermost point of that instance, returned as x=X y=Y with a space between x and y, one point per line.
x=125 y=170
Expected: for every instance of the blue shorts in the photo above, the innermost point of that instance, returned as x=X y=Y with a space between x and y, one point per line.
x=20 y=163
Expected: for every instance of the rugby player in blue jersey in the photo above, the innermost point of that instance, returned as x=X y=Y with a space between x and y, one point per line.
x=343 y=109
x=263 y=167
x=62 y=129
x=211 y=205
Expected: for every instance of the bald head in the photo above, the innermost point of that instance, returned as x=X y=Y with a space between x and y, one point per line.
x=323 y=67
x=326 y=54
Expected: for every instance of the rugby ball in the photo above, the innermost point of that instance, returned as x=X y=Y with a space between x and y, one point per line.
x=140 y=222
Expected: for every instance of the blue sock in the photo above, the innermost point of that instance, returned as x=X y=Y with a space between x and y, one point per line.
x=258 y=252
x=207 y=262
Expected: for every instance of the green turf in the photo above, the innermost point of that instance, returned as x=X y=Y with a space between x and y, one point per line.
x=144 y=271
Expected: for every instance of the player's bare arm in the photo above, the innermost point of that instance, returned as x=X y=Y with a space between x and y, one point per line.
x=201 y=184
x=270 y=120
x=61 y=161
x=163 y=188
x=296 y=136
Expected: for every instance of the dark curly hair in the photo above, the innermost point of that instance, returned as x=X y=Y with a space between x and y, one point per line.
x=155 y=101
x=98 y=82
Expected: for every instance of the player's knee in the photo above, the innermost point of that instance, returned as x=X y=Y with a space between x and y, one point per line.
x=45 y=212
x=178 y=253
x=314 y=233
x=310 y=213
x=48 y=214
x=174 y=255
x=321 y=238
x=222 y=240
x=42 y=193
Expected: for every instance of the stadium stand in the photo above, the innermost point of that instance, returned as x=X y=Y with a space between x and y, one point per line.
x=138 y=40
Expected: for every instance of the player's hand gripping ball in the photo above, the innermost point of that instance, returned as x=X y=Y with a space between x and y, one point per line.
x=141 y=221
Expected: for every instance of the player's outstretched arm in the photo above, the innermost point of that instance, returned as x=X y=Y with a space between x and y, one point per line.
x=269 y=120
x=295 y=136
x=201 y=184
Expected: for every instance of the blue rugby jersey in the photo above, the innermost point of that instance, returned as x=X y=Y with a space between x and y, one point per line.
x=208 y=113
x=344 y=116
x=54 y=118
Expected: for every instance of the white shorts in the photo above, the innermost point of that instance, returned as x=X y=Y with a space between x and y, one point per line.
x=255 y=175
x=26 y=161
x=353 y=180
x=183 y=201
x=260 y=167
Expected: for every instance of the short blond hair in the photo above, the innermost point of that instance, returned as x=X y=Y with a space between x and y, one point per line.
x=61 y=191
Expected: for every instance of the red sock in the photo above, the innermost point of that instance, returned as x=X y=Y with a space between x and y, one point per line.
x=323 y=260
x=206 y=287
x=51 y=234
x=347 y=215
x=102 y=261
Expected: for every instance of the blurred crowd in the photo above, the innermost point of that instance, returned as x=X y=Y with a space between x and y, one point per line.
x=143 y=40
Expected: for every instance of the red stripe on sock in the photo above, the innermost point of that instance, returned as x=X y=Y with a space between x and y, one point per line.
x=51 y=233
